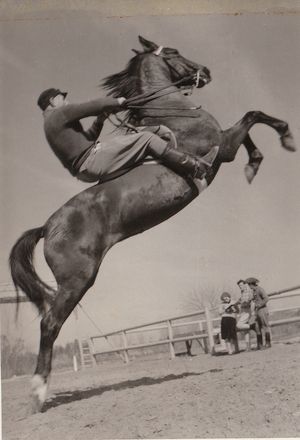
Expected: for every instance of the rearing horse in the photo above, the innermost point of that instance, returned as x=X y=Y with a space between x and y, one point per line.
x=79 y=234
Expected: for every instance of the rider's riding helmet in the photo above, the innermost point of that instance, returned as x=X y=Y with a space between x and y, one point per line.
x=46 y=95
x=252 y=281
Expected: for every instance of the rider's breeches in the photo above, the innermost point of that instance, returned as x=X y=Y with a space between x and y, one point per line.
x=262 y=316
x=120 y=153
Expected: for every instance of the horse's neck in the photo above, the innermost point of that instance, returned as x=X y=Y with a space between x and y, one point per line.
x=167 y=103
x=153 y=74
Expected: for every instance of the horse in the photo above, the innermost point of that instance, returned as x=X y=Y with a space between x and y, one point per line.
x=79 y=234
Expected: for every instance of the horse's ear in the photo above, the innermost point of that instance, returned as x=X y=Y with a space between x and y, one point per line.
x=147 y=45
x=138 y=52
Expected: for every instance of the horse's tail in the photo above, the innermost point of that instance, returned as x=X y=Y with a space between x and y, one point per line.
x=23 y=272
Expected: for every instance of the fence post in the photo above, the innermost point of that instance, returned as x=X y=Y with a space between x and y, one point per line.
x=205 y=347
x=209 y=327
x=170 y=335
x=125 y=343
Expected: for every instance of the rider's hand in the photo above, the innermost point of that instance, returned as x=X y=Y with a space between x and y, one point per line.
x=121 y=101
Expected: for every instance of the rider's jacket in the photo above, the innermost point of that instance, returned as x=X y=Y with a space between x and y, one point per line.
x=260 y=297
x=65 y=133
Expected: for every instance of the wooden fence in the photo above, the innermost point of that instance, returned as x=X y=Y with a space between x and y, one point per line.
x=206 y=324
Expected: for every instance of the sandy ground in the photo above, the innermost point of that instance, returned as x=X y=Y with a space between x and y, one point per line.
x=253 y=394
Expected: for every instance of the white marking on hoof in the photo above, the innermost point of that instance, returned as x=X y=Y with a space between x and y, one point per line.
x=250 y=173
x=287 y=141
x=39 y=392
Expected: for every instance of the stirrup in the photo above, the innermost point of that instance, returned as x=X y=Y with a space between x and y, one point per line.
x=210 y=157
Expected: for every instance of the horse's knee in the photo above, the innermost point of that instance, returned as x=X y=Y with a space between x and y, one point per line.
x=253 y=116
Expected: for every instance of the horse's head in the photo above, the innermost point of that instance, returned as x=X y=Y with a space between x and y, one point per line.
x=179 y=67
x=153 y=67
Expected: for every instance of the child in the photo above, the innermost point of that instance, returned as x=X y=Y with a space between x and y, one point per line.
x=228 y=311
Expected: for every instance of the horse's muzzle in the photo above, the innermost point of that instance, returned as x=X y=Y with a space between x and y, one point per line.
x=202 y=78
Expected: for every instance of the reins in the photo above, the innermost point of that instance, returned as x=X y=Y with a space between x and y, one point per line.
x=150 y=96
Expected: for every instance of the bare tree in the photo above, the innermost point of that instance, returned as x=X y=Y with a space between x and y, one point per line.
x=204 y=296
x=200 y=298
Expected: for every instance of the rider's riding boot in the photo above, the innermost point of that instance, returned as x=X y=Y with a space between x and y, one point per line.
x=268 y=340
x=259 y=342
x=185 y=163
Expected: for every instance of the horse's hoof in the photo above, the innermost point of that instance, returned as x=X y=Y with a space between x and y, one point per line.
x=287 y=141
x=36 y=405
x=250 y=172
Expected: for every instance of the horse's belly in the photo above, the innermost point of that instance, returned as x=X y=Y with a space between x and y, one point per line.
x=128 y=205
x=150 y=194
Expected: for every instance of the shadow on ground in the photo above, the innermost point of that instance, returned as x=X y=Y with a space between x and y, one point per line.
x=73 y=396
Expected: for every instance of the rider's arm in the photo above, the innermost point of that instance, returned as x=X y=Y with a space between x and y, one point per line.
x=75 y=112
x=94 y=131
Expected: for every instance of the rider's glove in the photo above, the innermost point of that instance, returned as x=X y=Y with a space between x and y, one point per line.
x=122 y=101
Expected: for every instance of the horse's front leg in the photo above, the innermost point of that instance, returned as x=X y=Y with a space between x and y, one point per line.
x=232 y=139
x=238 y=134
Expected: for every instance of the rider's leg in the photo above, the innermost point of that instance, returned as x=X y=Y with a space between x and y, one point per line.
x=178 y=161
x=125 y=152
x=181 y=162
x=263 y=315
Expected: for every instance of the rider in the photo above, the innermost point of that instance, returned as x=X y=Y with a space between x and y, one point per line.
x=89 y=160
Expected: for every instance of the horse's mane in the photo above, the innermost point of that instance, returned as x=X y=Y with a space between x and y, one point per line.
x=125 y=83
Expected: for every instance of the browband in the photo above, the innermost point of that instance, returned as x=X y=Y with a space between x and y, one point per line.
x=158 y=50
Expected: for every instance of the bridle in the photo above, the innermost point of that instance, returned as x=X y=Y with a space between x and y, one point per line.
x=137 y=102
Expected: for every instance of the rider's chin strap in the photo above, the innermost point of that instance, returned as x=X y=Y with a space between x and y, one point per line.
x=158 y=50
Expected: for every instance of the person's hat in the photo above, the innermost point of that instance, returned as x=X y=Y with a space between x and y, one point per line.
x=225 y=295
x=46 y=95
x=240 y=281
x=251 y=280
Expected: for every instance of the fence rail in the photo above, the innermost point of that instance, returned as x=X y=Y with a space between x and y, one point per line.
x=204 y=334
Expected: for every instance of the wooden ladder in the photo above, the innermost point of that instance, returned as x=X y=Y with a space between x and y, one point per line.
x=87 y=358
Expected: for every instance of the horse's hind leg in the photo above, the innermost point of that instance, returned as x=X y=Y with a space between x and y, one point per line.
x=75 y=273
x=68 y=296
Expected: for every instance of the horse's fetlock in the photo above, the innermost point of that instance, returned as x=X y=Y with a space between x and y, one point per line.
x=284 y=128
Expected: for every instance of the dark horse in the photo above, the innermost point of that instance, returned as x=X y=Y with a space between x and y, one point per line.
x=79 y=234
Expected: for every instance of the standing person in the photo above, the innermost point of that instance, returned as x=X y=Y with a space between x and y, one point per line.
x=89 y=160
x=262 y=315
x=247 y=306
x=246 y=319
x=228 y=311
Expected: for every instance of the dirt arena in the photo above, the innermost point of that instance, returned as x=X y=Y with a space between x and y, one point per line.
x=253 y=394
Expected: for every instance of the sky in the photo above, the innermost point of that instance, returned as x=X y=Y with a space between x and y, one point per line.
x=232 y=230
